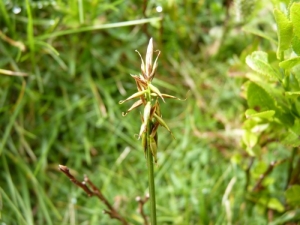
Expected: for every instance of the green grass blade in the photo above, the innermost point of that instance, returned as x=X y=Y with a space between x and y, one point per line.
x=18 y=107
x=13 y=207
x=30 y=34
x=99 y=27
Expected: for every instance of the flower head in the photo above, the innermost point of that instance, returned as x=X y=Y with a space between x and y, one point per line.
x=148 y=95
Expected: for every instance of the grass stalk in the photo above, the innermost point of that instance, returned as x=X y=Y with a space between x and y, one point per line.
x=151 y=178
x=152 y=117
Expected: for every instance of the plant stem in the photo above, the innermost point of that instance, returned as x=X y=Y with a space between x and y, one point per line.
x=151 y=178
x=151 y=187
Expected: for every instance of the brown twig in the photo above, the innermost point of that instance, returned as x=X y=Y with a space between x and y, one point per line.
x=112 y=212
x=145 y=4
x=258 y=186
x=141 y=207
x=82 y=185
x=12 y=42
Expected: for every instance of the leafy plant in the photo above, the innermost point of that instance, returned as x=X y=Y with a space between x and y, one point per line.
x=272 y=91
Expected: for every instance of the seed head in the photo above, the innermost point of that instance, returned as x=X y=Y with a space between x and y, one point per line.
x=149 y=56
x=148 y=70
x=148 y=95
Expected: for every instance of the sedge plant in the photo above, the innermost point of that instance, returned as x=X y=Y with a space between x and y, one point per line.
x=148 y=96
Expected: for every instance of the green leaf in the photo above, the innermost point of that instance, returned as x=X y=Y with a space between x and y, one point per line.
x=250 y=139
x=271 y=203
x=258 y=61
x=291 y=93
x=263 y=56
x=296 y=75
x=295 y=18
x=296 y=45
x=278 y=2
x=259 y=99
x=262 y=96
x=293 y=136
x=293 y=195
x=274 y=203
x=284 y=32
x=249 y=124
x=290 y=63
x=251 y=113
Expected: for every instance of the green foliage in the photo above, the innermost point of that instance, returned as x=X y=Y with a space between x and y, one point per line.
x=258 y=61
x=272 y=94
x=78 y=56
x=284 y=31
x=261 y=92
x=295 y=18
x=292 y=195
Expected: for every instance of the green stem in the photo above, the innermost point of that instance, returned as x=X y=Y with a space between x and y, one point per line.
x=151 y=180
x=150 y=172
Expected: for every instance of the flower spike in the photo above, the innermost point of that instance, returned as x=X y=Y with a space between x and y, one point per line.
x=148 y=95
x=135 y=95
x=135 y=105
x=142 y=65
x=151 y=76
x=149 y=56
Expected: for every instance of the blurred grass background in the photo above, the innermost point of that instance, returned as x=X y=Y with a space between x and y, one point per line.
x=78 y=56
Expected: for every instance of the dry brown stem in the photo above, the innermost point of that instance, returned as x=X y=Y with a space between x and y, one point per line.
x=94 y=191
x=259 y=184
x=141 y=207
